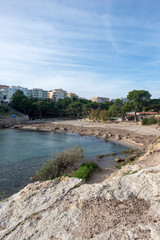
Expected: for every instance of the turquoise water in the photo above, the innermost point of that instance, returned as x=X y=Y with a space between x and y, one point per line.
x=22 y=153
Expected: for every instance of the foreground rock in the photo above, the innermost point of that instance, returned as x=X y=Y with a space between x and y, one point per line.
x=124 y=207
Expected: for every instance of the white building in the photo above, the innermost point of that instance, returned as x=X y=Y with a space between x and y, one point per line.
x=37 y=93
x=3 y=93
x=12 y=89
x=2 y=96
x=100 y=99
x=57 y=94
x=5 y=89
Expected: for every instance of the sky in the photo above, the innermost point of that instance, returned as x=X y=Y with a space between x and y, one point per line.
x=90 y=47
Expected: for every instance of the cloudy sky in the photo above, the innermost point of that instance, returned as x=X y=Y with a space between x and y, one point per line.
x=90 y=47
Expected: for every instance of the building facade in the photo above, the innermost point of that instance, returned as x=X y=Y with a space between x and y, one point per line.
x=12 y=89
x=3 y=94
x=72 y=95
x=100 y=99
x=37 y=93
x=130 y=116
x=57 y=94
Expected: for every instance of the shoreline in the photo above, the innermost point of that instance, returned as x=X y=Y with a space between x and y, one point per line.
x=118 y=142
x=127 y=134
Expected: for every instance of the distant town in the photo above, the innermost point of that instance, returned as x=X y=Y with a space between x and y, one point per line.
x=6 y=93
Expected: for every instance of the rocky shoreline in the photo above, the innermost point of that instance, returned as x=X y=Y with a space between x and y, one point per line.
x=122 y=136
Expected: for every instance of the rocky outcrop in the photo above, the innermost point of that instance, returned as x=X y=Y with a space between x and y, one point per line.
x=30 y=203
x=126 y=207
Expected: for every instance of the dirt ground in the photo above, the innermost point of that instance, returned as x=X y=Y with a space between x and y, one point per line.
x=127 y=126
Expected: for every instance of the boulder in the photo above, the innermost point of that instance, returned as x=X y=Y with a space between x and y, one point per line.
x=131 y=157
x=105 y=136
x=110 y=134
x=118 y=159
x=118 y=137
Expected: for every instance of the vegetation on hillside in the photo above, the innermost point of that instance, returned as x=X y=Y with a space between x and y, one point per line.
x=4 y=110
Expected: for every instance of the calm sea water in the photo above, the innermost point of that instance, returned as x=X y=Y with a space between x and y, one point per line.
x=22 y=153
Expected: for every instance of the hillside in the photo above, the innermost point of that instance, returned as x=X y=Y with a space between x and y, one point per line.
x=9 y=117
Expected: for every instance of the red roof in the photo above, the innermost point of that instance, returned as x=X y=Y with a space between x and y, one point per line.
x=152 y=113
x=4 y=86
x=141 y=113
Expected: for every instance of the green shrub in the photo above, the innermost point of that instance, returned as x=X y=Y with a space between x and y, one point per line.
x=152 y=120
x=85 y=170
x=56 y=166
x=149 y=121
x=145 y=121
x=2 y=196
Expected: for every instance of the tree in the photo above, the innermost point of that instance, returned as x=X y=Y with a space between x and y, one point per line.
x=105 y=105
x=103 y=115
x=138 y=98
x=63 y=103
x=94 y=115
x=115 y=110
x=17 y=99
x=127 y=107
x=152 y=105
x=75 y=108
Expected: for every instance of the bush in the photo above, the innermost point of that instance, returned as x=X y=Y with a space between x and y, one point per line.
x=152 y=120
x=149 y=121
x=85 y=170
x=56 y=166
x=145 y=121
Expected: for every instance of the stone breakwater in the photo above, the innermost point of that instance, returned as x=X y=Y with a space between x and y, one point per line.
x=125 y=206
x=10 y=122
x=106 y=131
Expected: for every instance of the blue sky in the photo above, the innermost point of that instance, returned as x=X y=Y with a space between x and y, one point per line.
x=90 y=47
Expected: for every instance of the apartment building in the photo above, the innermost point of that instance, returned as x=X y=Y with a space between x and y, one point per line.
x=100 y=99
x=2 y=96
x=57 y=94
x=12 y=89
x=37 y=93
x=8 y=91
x=72 y=95
x=3 y=93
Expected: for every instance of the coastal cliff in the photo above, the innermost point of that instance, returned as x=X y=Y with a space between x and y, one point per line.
x=124 y=206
